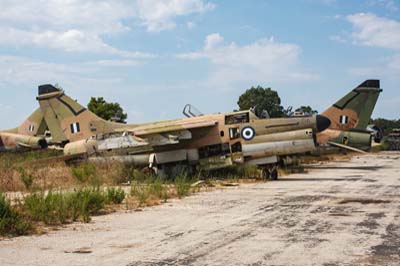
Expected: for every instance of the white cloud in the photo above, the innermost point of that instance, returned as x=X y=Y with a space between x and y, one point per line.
x=116 y=63
x=388 y=4
x=158 y=15
x=80 y=26
x=263 y=60
x=28 y=72
x=212 y=41
x=72 y=40
x=190 y=25
x=92 y=15
x=388 y=67
x=371 y=30
x=395 y=63
x=337 y=38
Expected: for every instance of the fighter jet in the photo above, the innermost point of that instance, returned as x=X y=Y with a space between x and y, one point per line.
x=208 y=141
x=350 y=117
x=25 y=136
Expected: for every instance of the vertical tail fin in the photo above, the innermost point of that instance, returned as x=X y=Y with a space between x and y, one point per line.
x=355 y=109
x=67 y=120
x=34 y=125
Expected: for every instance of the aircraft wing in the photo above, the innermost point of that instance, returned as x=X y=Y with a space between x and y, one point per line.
x=170 y=132
x=172 y=127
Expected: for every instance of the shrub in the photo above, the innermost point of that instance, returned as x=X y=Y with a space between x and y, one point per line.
x=62 y=207
x=50 y=209
x=11 y=221
x=115 y=196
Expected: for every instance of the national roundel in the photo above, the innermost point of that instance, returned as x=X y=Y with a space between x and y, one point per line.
x=248 y=133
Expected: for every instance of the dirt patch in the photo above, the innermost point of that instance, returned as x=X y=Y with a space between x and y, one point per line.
x=369 y=180
x=391 y=243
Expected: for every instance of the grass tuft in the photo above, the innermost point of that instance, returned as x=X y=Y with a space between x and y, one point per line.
x=182 y=184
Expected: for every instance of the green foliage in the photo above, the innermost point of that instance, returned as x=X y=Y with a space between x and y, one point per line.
x=182 y=184
x=11 y=221
x=386 y=124
x=115 y=196
x=107 y=111
x=307 y=110
x=262 y=99
x=25 y=177
x=62 y=207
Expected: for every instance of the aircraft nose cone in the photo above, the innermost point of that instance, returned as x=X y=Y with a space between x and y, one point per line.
x=322 y=123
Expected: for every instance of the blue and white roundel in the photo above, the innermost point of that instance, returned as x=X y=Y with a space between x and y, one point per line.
x=248 y=133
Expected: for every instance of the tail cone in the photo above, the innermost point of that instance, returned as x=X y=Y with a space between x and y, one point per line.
x=322 y=123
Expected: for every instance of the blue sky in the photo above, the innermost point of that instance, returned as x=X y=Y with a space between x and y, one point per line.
x=154 y=56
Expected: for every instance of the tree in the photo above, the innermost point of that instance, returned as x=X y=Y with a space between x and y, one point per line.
x=107 y=111
x=307 y=110
x=262 y=99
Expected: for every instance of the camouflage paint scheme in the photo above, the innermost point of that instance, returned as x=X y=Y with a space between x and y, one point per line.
x=350 y=117
x=26 y=135
x=239 y=137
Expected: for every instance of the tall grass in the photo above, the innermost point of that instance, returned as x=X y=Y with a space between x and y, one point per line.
x=11 y=221
x=182 y=184
x=153 y=188
x=141 y=192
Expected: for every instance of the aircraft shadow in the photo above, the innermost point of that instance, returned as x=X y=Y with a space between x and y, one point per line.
x=317 y=179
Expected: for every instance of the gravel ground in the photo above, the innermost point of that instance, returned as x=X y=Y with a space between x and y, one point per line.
x=340 y=213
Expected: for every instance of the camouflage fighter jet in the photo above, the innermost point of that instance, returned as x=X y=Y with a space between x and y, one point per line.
x=211 y=141
x=350 y=117
x=25 y=137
